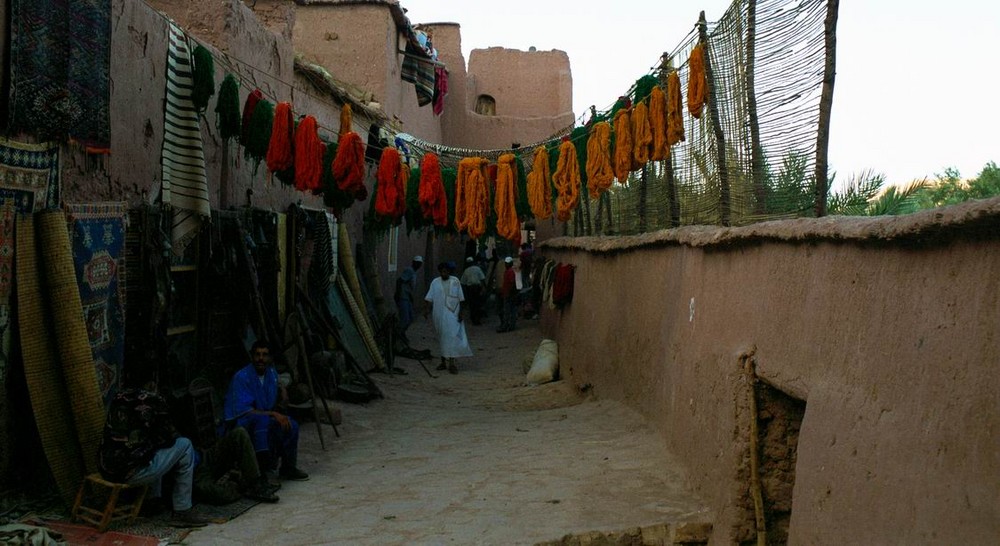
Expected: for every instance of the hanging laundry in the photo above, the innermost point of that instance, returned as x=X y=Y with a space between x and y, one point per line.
x=623 y=146
x=562 y=284
x=433 y=202
x=279 y=151
x=675 y=110
x=567 y=181
x=309 y=151
x=390 y=197
x=697 y=81
x=599 y=172
x=472 y=196
x=248 y=108
x=440 y=89
x=227 y=108
x=508 y=226
x=658 y=124
x=204 y=78
x=540 y=185
x=258 y=134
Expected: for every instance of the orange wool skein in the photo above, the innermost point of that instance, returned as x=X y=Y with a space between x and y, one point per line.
x=309 y=152
x=508 y=226
x=390 y=198
x=658 y=124
x=675 y=110
x=623 y=146
x=540 y=185
x=697 y=81
x=279 y=150
x=346 y=118
x=642 y=136
x=433 y=202
x=465 y=168
x=567 y=181
x=349 y=165
x=477 y=200
x=599 y=172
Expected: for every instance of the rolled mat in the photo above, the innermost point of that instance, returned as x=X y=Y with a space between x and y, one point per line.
x=359 y=320
x=349 y=270
x=46 y=387
x=71 y=334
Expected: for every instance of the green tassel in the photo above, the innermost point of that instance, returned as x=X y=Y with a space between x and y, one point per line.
x=521 y=204
x=643 y=88
x=259 y=132
x=449 y=178
x=227 y=109
x=414 y=215
x=204 y=78
x=333 y=196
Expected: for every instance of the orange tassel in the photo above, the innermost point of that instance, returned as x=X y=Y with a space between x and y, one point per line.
x=349 y=166
x=623 y=146
x=697 y=81
x=309 y=151
x=390 y=198
x=279 y=150
x=658 y=124
x=642 y=136
x=345 y=120
x=675 y=110
x=478 y=200
x=599 y=172
x=508 y=226
x=433 y=202
x=567 y=181
x=540 y=185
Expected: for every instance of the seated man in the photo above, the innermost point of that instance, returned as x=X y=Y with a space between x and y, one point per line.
x=234 y=451
x=141 y=445
x=253 y=394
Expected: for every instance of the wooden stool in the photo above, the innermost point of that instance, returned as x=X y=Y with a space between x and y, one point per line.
x=112 y=511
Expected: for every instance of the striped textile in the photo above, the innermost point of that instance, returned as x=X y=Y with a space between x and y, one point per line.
x=185 y=186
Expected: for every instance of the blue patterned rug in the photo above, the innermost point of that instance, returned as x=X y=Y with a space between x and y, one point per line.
x=98 y=239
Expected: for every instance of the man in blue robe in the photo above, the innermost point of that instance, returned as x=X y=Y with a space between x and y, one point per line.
x=250 y=403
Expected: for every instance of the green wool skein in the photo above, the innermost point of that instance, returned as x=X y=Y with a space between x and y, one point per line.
x=227 y=108
x=204 y=78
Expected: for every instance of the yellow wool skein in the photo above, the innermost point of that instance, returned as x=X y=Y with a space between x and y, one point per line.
x=477 y=199
x=567 y=181
x=697 y=81
x=675 y=110
x=642 y=136
x=623 y=146
x=540 y=185
x=658 y=124
x=599 y=172
x=508 y=226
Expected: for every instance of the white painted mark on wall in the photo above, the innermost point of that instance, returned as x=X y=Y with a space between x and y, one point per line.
x=691 y=311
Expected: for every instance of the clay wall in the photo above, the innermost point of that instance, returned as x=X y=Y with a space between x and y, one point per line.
x=885 y=328
x=525 y=84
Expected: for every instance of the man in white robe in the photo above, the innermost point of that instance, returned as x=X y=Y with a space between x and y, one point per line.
x=445 y=298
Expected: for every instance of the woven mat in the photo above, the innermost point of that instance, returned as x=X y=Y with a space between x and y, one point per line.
x=142 y=532
x=60 y=55
x=98 y=240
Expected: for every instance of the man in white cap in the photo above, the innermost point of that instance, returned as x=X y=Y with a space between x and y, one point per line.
x=473 y=283
x=405 y=285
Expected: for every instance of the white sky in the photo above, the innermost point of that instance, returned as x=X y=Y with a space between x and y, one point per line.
x=918 y=81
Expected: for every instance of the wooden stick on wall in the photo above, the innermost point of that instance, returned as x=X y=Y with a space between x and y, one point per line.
x=747 y=362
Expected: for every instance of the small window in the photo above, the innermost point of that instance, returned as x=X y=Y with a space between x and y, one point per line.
x=486 y=105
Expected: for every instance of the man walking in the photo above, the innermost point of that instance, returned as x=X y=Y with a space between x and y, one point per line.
x=474 y=283
x=445 y=299
x=403 y=296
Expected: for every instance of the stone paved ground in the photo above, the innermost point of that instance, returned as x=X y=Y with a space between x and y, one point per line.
x=473 y=458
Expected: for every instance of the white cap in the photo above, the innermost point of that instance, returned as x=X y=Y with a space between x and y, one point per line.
x=508 y=260
x=468 y=260
x=419 y=259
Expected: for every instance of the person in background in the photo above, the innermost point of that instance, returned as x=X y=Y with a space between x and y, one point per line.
x=444 y=299
x=140 y=446
x=403 y=296
x=474 y=284
x=251 y=400
x=510 y=296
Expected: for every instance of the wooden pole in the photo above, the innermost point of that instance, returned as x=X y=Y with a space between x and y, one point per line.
x=756 y=151
x=713 y=114
x=643 y=188
x=826 y=106
x=666 y=67
x=755 y=486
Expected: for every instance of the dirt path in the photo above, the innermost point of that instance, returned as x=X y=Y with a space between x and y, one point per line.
x=473 y=458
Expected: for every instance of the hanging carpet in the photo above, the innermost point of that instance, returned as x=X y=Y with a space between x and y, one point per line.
x=60 y=55
x=98 y=239
x=29 y=175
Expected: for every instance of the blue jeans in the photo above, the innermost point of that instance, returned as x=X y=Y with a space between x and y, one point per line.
x=268 y=436
x=179 y=457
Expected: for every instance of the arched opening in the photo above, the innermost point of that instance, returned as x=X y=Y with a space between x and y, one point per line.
x=486 y=105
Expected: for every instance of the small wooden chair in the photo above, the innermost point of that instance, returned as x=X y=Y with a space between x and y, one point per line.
x=112 y=510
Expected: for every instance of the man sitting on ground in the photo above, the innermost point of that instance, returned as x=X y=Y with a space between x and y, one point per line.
x=250 y=403
x=232 y=452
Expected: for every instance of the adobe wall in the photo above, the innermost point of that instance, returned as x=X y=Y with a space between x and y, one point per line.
x=886 y=328
x=525 y=84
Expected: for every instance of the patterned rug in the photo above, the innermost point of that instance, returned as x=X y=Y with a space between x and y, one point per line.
x=98 y=239
x=60 y=55
x=185 y=186
x=29 y=181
